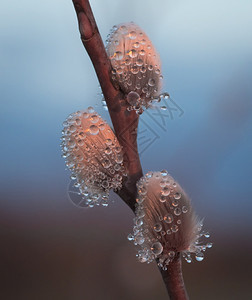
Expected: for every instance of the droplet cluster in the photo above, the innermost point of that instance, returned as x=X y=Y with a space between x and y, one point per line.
x=94 y=156
x=136 y=66
x=165 y=222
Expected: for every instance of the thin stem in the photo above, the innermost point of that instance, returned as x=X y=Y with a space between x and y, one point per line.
x=173 y=279
x=125 y=125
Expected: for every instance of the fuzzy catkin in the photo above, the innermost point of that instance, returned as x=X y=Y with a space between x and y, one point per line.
x=94 y=156
x=136 y=64
x=165 y=221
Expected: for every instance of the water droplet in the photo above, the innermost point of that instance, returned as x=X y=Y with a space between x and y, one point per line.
x=78 y=122
x=184 y=209
x=104 y=203
x=132 y=53
x=139 y=62
x=142 y=52
x=80 y=142
x=199 y=256
x=94 y=119
x=93 y=129
x=132 y=35
x=174 y=228
x=134 y=70
x=157 y=248
x=118 y=55
x=162 y=183
x=168 y=218
x=102 y=126
x=163 y=198
x=136 y=45
x=85 y=115
x=177 y=196
x=108 y=142
x=140 y=200
x=175 y=202
x=141 y=213
x=127 y=61
x=151 y=82
x=177 y=211
x=71 y=143
x=171 y=254
x=143 y=256
x=105 y=184
x=157 y=227
x=90 y=110
x=143 y=69
x=150 y=67
x=72 y=128
x=187 y=257
x=130 y=237
x=142 y=191
x=209 y=245
x=123 y=29
x=165 y=191
x=106 y=163
x=168 y=231
x=139 y=222
x=149 y=175
x=164 y=173
x=108 y=150
x=139 y=239
x=119 y=70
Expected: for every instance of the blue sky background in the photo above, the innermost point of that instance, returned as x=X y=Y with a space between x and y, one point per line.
x=45 y=74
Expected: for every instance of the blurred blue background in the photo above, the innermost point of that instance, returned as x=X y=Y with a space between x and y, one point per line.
x=51 y=249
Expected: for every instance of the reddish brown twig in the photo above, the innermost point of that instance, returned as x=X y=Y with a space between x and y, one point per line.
x=125 y=125
x=173 y=279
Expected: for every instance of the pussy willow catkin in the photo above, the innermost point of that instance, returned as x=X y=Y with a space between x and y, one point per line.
x=94 y=156
x=136 y=65
x=165 y=221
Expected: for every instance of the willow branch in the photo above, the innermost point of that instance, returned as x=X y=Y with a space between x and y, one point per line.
x=125 y=125
x=173 y=279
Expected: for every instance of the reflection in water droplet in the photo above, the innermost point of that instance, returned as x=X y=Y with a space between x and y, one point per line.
x=151 y=82
x=157 y=248
x=177 y=211
x=139 y=62
x=184 y=209
x=93 y=129
x=174 y=228
x=132 y=35
x=168 y=218
x=177 y=196
x=199 y=256
x=118 y=55
x=157 y=227
x=132 y=53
